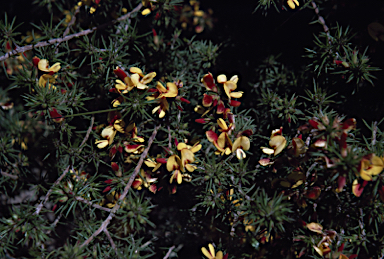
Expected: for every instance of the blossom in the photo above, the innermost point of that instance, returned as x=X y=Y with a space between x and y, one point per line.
x=43 y=65
x=108 y=133
x=174 y=165
x=291 y=3
x=370 y=165
x=147 y=3
x=56 y=116
x=187 y=155
x=209 y=82
x=124 y=84
x=47 y=78
x=140 y=80
x=162 y=95
x=211 y=253
x=229 y=86
x=277 y=142
x=241 y=143
x=222 y=142
x=145 y=179
x=155 y=163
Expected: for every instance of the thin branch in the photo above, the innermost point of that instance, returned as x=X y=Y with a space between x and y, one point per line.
x=126 y=189
x=169 y=252
x=40 y=206
x=81 y=199
x=71 y=22
x=374 y=132
x=322 y=21
x=169 y=138
x=87 y=135
x=65 y=38
x=13 y=177
x=54 y=223
x=111 y=241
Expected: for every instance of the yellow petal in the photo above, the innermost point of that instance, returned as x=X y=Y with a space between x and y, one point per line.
x=206 y=253
x=234 y=79
x=240 y=154
x=212 y=250
x=148 y=78
x=181 y=146
x=236 y=94
x=107 y=132
x=136 y=70
x=43 y=65
x=101 y=143
x=146 y=11
x=55 y=68
x=267 y=151
x=135 y=79
x=222 y=79
x=222 y=124
x=196 y=148
x=241 y=142
x=219 y=255
x=315 y=227
x=190 y=167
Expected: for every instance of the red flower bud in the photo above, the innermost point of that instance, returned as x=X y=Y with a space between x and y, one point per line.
x=57 y=117
x=120 y=149
x=54 y=207
x=120 y=73
x=234 y=103
x=202 y=120
x=109 y=181
x=107 y=189
x=113 y=90
x=179 y=108
x=35 y=61
x=161 y=160
x=184 y=100
x=115 y=166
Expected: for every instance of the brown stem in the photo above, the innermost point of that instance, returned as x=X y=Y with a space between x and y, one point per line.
x=65 y=38
x=169 y=252
x=126 y=189
x=40 y=206
x=81 y=199
x=111 y=241
x=322 y=21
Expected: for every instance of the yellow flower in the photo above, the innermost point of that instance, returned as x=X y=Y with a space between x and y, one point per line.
x=140 y=80
x=174 y=164
x=43 y=65
x=277 y=142
x=187 y=155
x=163 y=94
x=241 y=143
x=211 y=253
x=370 y=165
x=291 y=3
x=229 y=86
x=47 y=78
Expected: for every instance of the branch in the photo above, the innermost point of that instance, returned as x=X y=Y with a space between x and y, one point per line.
x=321 y=20
x=169 y=252
x=65 y=38
x=126 y=189
x=81 y=199
x=40 y=206
x=87 y=135
x=12 y=176
x=374 y=132
x=111 y=241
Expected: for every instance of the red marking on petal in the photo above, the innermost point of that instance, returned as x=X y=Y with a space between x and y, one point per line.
x=120 y=73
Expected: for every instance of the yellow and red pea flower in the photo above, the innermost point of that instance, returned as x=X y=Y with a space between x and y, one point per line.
x=56 y=116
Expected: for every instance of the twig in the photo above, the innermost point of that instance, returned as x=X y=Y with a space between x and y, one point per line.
x=81 y=199
x=40 y=206
x=54 y=223
x=71 y=22
x=66 y=38
x=322 y=21
x=169 y=252
x=126 y=189
x=169 y=138
x=14 y=177
x=111 y=241
x=374 y=131
x=87 y=135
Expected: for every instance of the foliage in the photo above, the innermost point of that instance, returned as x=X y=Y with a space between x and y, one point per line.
x=119 y=138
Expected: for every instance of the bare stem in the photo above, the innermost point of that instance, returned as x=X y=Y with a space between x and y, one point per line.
x=126 y=189
x=87 y=135
x=81 y=199
x=65 y=38
x=321 y=20
x=40 y=206
x=111 y=241
x=169 y=252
